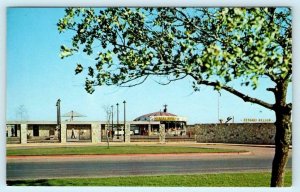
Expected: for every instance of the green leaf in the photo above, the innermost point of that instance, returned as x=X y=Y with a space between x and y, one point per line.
x=65 y=52
x=78 y=69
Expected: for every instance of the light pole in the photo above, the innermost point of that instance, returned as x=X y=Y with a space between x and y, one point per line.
x=124 y=117
x=219 y=107
x=112 y=120
x=58 y=118
x=118 y=118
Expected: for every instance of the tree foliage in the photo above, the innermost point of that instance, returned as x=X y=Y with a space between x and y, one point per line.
x=212 y=45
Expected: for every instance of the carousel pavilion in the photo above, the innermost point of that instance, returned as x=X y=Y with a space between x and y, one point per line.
x=174 y=125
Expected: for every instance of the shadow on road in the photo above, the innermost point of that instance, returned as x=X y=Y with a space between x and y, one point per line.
x=39 y=182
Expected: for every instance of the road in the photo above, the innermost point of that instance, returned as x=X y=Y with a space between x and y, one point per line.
x=124 y=165
x=40 y=170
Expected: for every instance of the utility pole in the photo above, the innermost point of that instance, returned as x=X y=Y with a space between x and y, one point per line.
x=112 y=120
x=118 y=118
x=124 y=117
x=219 y=107
x=58 y=119
x=107 y=128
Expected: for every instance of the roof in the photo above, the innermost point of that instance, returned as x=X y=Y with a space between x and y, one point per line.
x=147 y=116
x=72 y=114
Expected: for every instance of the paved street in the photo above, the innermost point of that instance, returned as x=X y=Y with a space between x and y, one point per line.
x=259 y=158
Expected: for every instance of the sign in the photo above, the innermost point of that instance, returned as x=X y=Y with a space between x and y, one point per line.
x=167 y=118
x=257 y=120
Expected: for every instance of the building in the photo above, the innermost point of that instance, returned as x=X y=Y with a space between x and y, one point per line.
x=174 y=125
x=21 y=132
x=152 y=126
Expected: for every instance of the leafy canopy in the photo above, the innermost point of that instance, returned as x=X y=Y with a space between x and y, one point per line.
x=212 y=45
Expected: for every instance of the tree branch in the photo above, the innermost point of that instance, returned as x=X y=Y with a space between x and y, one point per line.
x=246 y=98
x=122 y=84
x=170 y=80
x=272 y=89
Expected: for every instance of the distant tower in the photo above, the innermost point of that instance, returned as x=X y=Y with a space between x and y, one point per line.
x=165 y=109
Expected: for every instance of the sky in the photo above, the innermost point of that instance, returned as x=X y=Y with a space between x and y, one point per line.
x=37 y=77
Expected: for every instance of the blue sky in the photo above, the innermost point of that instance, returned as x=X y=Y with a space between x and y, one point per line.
x=37 y=77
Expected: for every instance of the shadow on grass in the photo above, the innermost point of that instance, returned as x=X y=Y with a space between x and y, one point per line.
x=244 y=179
x=39 y=182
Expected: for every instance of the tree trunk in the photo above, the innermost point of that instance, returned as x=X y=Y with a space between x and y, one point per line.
x=282 y=142
x=282 y=138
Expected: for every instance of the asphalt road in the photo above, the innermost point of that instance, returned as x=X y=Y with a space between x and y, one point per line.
x=136 y=166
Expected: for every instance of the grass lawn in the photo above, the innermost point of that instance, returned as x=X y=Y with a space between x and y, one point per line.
x=252 y=179
x=93 y=150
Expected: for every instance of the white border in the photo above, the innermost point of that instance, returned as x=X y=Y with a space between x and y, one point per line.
x=105 y=3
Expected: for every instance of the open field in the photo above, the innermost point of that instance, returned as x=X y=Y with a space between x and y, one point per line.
x=103 y=150
x=248 y=179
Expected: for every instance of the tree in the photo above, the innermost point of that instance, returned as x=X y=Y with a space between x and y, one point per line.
x=213 y=46
x=108 y=112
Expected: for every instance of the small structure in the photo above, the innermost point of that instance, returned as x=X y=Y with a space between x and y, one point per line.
x=174 y=125
x=73 y=114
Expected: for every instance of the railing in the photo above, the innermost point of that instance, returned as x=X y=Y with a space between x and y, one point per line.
x=141 y=138
x=13 y=140
x=45 y=139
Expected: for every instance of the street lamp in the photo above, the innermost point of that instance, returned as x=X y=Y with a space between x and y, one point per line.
x=118 y=118
x=112 y=120
x=219 y=106
x=58 y=118
x=124 y=117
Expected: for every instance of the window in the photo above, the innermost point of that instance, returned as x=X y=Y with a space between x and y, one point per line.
x=35 y=130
